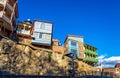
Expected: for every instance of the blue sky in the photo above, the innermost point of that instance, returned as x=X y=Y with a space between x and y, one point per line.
x=97 y=20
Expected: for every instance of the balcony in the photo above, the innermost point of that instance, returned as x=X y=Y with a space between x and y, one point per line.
x=9 y=6
x=3 y=2
x=23 y=32
x=87 y=51
x=91 y=59
x=4 y=17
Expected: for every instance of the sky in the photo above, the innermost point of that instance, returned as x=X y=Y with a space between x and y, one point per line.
x=98 y=21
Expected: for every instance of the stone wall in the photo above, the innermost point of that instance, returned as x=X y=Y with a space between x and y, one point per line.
x=21 y=59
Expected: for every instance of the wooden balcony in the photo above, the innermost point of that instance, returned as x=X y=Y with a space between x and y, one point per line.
x=23 y=32
x=2 y=4
x=6 y=20
x=9 y=6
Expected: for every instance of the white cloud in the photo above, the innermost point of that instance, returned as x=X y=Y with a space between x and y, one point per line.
x=101 y=57
x=109 y=62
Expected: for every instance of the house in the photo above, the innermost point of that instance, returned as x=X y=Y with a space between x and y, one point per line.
x=24 y=31
x=8 y=15
x=110 y=70
x=42 y=34
x=114 y=70
x=74 y=44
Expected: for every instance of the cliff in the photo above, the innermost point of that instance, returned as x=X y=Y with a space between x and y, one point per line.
x=20 y=58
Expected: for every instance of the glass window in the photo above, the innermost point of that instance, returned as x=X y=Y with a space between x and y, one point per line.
x=73 y=43
x=73 y=50
x=42 y=26
x=40 y=35
x=37 y=25
x=48 y=36
x=36 y=35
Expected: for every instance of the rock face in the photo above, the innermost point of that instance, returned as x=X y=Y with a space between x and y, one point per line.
x=21 y=59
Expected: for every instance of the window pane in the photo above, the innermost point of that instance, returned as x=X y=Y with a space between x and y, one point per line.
x=73 y=50
x=36 y=35
x=48 y=36
x=42 y=26
x=40 y=35
x=73 y=43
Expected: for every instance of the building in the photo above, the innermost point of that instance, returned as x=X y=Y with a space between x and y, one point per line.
x=56 y=47
x=82 y=51
x=74 y=44
x=8 y=15
x=110 y=70
x=117 y=65
x=24 y=31
x=42 y=34
x=114 y=70
x=90 y=54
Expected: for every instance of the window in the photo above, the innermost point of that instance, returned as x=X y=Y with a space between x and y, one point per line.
x=73 y=43
x=40 y=35
x=48 y=36
x=42 y=26
x=35 y=34
x=73 y=50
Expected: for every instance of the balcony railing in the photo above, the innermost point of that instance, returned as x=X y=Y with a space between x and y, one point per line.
x=22 y=31
x=9 y=6
x=87 y=51
x=6 y=19
x=91 y=59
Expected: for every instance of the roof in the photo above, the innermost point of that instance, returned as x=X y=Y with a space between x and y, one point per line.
x=70 y=35
x=108 y=69
x=117 y=65
x=21 y=23
x=42 y=21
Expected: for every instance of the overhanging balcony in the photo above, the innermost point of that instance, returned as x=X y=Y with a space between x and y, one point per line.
x=4 y=17
x=9 y=6
x=3 y=2
x=23 y=32
x=91 y=59
x=87 y=51
x=6 y=21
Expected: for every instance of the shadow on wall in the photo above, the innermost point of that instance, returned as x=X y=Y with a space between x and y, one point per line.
x=17 y=60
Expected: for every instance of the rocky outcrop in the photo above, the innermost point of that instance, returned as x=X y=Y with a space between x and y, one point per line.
x=23 y=59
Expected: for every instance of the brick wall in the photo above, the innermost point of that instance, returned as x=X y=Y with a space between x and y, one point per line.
x=58 y=49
